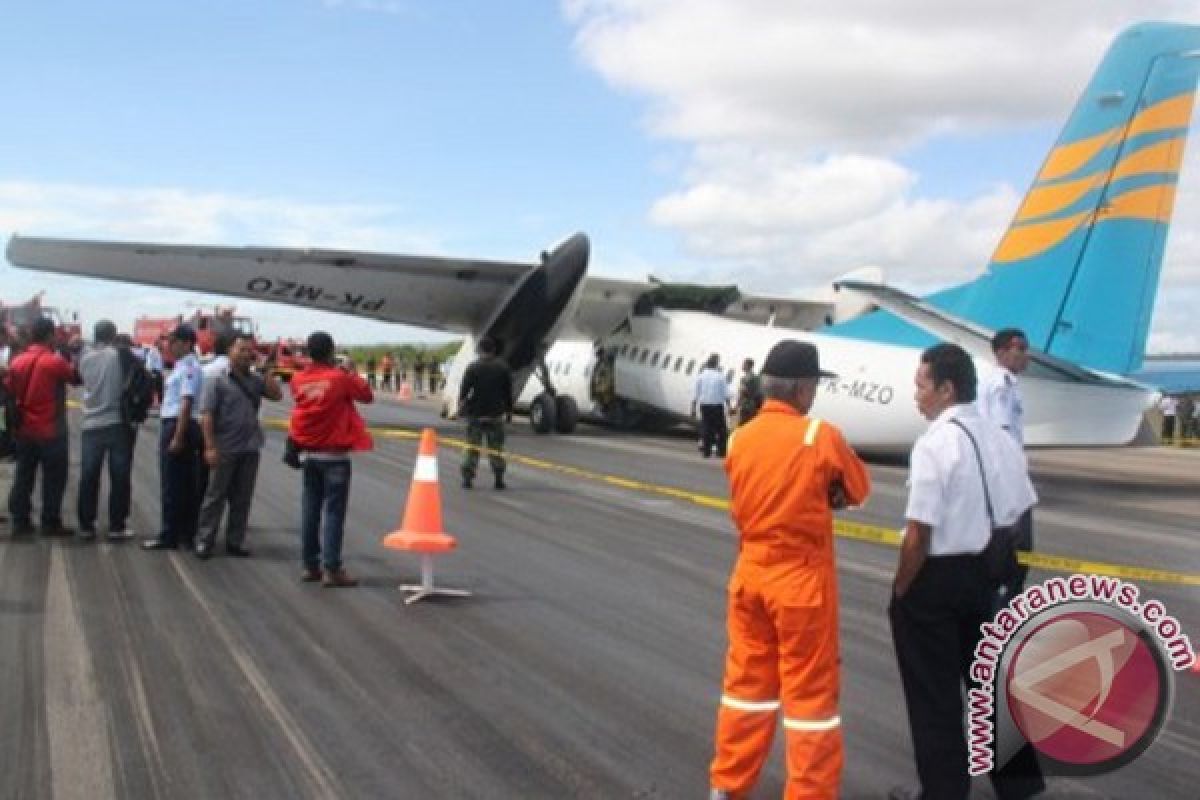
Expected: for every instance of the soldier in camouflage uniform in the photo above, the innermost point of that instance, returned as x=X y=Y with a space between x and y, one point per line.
x=486 y=400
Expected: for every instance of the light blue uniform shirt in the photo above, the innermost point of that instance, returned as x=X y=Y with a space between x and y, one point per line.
x=711 y=389
x=186 y=380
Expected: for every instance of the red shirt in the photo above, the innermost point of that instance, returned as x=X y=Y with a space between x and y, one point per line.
x=37 y=379
x=324 y=417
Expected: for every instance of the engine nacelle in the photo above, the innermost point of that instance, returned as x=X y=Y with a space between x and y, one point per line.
x=528 y=319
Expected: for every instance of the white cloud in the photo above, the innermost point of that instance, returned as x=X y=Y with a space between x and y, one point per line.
x=181 y=216
x=798 y=115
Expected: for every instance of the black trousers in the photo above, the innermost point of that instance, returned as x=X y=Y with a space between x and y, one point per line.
x=179 y=476
x=935 y=628
x=1015 y=583
x=713 y=430
x=49 y=455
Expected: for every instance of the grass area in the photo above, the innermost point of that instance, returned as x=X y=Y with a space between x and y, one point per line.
x=403 y=353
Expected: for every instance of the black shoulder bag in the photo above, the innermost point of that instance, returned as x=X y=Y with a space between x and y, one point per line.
x=1000 y=554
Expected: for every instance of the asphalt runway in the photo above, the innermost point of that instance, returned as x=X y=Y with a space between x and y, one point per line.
x=586 y=665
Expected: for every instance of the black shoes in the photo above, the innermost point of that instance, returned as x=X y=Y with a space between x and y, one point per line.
x=467 y=482
x=237 y=551
x=57 y=530
x=157 y=544
x=23 y=529
x=499 y=483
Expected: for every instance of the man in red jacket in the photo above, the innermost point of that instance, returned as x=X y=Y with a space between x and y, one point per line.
x=38 y=379
x=326 y=425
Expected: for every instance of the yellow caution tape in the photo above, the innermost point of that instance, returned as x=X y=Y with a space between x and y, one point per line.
x=848 y=529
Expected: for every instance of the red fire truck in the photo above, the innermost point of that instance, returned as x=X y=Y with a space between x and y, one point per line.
x=208 y=324
x=13 y=318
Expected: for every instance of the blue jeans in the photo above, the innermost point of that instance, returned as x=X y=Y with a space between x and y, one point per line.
x=51 y=455
x=326 y=493
x=116 y=442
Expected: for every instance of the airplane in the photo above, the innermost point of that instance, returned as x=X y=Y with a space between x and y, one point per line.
x=1077 y=270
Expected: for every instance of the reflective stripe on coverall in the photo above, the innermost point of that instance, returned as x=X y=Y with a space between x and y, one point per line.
x=782 y=607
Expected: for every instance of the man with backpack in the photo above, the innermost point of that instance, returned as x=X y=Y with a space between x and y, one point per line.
x=105 y=435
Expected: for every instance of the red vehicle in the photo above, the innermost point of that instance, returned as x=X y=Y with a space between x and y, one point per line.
x=152 y=331
x=288 y=354
x=13 y=318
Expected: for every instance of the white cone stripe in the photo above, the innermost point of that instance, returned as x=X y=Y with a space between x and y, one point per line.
x=426 y=469
x=749 y=705
x=812 y=724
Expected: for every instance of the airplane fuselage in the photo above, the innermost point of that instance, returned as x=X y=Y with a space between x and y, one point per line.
x=659 y=356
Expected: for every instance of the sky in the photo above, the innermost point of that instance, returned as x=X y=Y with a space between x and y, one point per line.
x=772 y=144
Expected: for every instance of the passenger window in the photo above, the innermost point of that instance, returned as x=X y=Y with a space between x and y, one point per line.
x=729 y=376
x=624 y=349
x=667 y=361
x=644 y=356
x=654 y=359
x=691 y=366
x=566 y=369
x=633 y=353
x=678 y=363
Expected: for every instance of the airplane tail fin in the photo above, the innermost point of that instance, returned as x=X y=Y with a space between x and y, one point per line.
x=1078 y=269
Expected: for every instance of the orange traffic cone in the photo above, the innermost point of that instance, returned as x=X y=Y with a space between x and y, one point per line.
x=405 y=393
x=421 y=531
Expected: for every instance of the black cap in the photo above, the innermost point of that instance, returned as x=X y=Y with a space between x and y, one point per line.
x=793 y=359
x=184 y=333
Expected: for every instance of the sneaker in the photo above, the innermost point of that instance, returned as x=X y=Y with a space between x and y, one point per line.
x=719 y=794
x=123 y=533
x=87 y=534
x=338 y=579
x=310 y=575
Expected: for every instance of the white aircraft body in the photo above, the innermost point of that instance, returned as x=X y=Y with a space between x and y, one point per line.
x=1077 y=270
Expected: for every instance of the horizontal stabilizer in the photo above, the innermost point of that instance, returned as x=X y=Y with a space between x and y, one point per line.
x=974 y=338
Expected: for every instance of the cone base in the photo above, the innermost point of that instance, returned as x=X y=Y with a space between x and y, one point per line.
x=420 y=542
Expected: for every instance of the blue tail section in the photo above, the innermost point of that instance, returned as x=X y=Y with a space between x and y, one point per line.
x=1078 y=269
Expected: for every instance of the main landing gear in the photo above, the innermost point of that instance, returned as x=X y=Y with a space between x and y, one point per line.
x=551 y=411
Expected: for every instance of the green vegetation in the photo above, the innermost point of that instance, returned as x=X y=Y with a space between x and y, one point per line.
x=403 y=353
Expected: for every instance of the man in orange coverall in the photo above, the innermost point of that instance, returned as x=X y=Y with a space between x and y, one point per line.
x=787 y=473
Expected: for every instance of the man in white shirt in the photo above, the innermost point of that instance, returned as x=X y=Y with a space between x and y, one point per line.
x=999 y=400
x=712 y=396
x=1169 y=406
x=942 y=594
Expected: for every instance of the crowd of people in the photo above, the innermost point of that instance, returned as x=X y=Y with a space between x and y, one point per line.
x=209 y=439
x=386 y=373
x=788 y=472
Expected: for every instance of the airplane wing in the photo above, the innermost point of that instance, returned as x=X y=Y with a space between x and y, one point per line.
x=975 y=339
x=456 y=295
